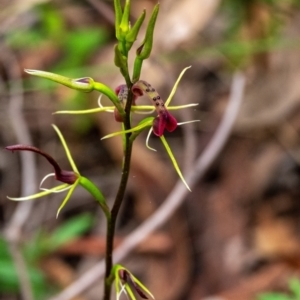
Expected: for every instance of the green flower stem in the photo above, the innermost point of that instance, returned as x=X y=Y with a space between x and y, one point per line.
x=121 y=62
x=111 y=224
x=95 y=192
x=138 y=63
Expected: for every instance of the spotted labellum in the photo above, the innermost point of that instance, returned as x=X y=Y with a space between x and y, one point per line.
x=164 y=119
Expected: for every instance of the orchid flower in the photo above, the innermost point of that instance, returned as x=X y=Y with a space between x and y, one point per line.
x=163 y=121
x=125 y=282
x=121 y=93
x=69 y=178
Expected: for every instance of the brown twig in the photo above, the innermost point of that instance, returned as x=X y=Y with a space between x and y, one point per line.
x=14 y=227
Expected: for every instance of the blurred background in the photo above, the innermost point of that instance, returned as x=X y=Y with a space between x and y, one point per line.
x=237 y=235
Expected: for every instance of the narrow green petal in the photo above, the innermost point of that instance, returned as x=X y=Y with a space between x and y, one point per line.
x=68 y=153
x=85 y=111
x=129 y=291
x=85 y=84
x=175 y=86
x=141 y=107
x=41 y=194
x=67 y=197
x=142 y=286
x=162 y=138
x=143 y=124
x=175 y=107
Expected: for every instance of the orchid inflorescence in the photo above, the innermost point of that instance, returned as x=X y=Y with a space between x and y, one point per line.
x=124 y=100
x=69 y=178
x=163 y=121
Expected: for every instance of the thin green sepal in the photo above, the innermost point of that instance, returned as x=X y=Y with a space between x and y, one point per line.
x=137 y=129
x=71 y=190
x=176 y=85
x=68 y=153
x=85 y=111
x=58 y=188
x=162 y=138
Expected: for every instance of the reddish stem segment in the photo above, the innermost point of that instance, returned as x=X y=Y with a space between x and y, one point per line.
x=61 y=175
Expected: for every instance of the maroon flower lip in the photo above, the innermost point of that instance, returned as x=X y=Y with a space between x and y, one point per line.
x=164 y=121
x=65 y=176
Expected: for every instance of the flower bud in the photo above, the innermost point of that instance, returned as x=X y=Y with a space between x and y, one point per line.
x=85 y=84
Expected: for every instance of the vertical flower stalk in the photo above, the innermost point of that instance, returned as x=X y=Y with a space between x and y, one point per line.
x=123 y=99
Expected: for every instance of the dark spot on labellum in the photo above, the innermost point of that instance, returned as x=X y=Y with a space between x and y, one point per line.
x=157 y=103
x=154 y=98
x=147 y=90
x=152 y=90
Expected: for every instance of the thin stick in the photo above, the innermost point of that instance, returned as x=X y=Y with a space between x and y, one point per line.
x=13 y=230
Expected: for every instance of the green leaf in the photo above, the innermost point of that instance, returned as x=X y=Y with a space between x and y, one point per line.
x=78 y=46
x=273 y=296
x=294 y=285
x=70 y=230
x=162 y=138
x=9 y=281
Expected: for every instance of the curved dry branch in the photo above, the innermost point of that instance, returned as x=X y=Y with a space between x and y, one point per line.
x=13 y=230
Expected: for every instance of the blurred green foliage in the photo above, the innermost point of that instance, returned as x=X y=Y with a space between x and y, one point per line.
x=76 y=44
x=294 y=292
x=42 y=244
